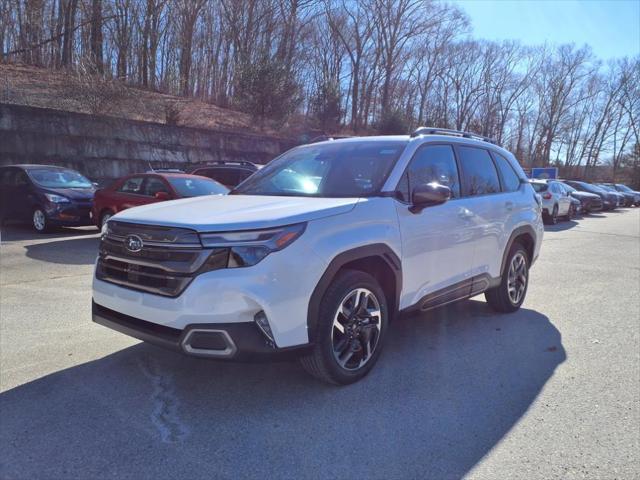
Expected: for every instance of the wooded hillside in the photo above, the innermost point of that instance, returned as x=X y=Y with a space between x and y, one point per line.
x=356 y=66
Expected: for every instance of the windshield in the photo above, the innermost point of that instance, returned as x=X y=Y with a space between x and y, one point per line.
x=59 y=178
x=623 y=188
x=569 y=188
x=590 y=188
x=539 y=187
x=333 y=169
x=607 y=188
x=195 y=187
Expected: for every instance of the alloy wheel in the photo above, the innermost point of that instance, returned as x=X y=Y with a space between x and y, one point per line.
x=356 y=329
x=39 y=220
x=517 y=278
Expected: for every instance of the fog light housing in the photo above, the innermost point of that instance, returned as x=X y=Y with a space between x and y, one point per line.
x=263 y=324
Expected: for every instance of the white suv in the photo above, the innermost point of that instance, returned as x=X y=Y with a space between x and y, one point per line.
x=314 y=255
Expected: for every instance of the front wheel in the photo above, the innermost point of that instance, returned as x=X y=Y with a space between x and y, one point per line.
x=509 y=295
x=39 y=221
x=104 y=218
x=352 y=325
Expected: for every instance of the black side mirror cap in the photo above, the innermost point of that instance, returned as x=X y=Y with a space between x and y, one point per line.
x=428 y=195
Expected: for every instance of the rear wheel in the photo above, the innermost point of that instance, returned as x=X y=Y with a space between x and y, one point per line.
x=572 y=212
x=352 y=325
x=509 y=295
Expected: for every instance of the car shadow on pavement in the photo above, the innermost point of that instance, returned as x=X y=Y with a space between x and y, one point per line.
x=15 y=232
x=448 y=387
x=73 y=251
x=561 y=226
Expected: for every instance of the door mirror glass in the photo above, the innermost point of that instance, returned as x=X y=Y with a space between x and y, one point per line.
x=429 y=194
x=162 y=196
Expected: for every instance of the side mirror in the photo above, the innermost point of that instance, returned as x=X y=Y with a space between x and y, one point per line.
x=162 y=196
x=427 y=195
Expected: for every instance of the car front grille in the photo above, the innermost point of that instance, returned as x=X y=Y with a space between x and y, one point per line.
x=165 y=265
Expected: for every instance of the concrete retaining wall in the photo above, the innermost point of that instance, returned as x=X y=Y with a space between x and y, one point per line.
x=106 y=147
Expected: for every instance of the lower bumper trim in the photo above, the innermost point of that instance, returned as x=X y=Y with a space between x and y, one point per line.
x=241 y=341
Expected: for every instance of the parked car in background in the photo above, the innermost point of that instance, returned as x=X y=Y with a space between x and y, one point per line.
x=609 y=199
x=626 y=190
x=46 y=196
x=589 y=202
x=229 y=174
x=556 y=201
x=144 y=188
x=622 y=200
x=629 y=198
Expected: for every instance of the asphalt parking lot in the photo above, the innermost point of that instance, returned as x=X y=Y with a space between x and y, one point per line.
x=550 y=391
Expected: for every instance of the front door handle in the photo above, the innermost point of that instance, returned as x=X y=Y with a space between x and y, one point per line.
x=465 y=214
x=509 y=206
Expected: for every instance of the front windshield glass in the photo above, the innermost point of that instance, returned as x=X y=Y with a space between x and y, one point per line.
x=569 y=188
x=607 y=188
x=591 y=188
x=623 y=188
x=59 y=178
x=333 y=169
x=195 y=187
x=539 y=187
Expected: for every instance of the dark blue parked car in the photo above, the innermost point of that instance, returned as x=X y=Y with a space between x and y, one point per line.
x=45 y=196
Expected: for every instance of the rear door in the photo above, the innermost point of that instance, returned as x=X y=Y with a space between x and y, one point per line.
x=486 y=208
x=437 y=242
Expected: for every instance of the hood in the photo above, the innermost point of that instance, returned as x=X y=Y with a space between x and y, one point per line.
x=73 y=193
x=213 y=213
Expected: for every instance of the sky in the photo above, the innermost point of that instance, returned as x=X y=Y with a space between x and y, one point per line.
x=610 y=27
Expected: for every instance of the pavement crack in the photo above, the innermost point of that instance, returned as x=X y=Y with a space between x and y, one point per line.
x=164 y=414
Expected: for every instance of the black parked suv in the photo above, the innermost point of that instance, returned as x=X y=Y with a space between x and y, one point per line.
x=229 y=174
x=589 y=202
x=45 y=196
x=609 y=199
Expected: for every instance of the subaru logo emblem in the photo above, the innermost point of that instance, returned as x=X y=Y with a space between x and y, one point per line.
x=133 y=243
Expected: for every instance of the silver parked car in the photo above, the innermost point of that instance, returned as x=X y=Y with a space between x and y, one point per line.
x=556 y=201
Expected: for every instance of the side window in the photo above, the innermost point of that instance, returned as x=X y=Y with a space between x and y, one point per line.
x=154 y=185
x=6 y=177
x=21 y=179
x=132 y=185
x=431 y=163
x=510 y=180
x=479 y=175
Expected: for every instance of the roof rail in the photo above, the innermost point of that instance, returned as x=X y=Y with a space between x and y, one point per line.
x=232 y=162
x=165 y=170
x=447 y=131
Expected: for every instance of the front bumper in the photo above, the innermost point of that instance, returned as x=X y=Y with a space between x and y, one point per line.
x=71 y=214
x=220 y=341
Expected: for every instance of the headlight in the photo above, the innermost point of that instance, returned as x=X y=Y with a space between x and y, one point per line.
x=53 y=198
x=247 y=248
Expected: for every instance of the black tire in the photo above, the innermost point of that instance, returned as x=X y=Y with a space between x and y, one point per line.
x=553 y=219
x=39 y=221
x=104 y=216
x=571 y=213
x=498 y=297
x=322 y=362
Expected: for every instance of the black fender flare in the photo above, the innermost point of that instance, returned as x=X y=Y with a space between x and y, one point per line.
x=524 y=229
x=380 y=250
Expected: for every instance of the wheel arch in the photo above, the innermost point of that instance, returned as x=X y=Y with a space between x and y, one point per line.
x=378 y=260
x=526 y=236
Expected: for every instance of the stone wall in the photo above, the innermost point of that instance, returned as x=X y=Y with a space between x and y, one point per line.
x=105 y=147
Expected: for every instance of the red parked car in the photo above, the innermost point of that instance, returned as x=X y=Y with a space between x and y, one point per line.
x=144 y=188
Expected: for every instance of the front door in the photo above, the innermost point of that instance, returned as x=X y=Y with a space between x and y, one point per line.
x=437 y=242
